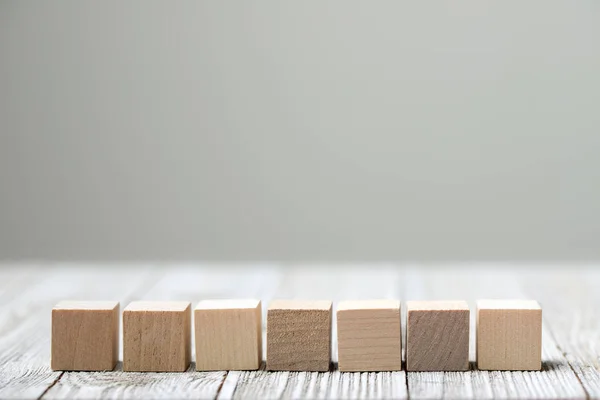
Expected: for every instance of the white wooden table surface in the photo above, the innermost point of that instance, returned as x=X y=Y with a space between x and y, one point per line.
x=569 y=295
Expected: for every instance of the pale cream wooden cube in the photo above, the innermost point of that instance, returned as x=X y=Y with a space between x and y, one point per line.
x=85 y=336
x=157 y=336
x=228 y=335
x=369 y=335
x=509 y=335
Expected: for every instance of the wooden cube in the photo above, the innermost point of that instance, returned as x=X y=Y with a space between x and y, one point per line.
x=85 y=336
x=369 y=335
x=299 y=335
x=437 y=336
x=228 y=335
x=157 y=336
x=509 y=335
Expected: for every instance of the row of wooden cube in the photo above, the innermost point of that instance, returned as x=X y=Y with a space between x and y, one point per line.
x=228 y=334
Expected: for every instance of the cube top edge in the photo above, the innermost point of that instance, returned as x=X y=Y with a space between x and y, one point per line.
x=508 y=305
x=174 y=306
x=227 y=304
x=348 y=305
x=88 y=305
x=437 y=305
x=324 y=305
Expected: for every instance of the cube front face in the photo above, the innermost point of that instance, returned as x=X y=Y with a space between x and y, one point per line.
x=85 y=336
x=509 y=339
x=437 y=336
x=228 y=338
x=157 y=338
x=369 y=336
x=299 y=336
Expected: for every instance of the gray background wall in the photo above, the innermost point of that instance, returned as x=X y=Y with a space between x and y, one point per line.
x=305 y=130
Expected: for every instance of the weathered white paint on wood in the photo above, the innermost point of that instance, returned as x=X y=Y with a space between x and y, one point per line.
x=25 y=337
x=183 y=283
x=314 y=385
x=556 y=380
x=569 y=299
x=140 y=385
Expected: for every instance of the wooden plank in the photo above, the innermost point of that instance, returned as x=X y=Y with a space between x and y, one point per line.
x=556 y=380
x=331 y=283
x=137 y=385
x=14 y=281
x=16 y=277
x=314 y=385
x=570 y=298
x=15 y=368
x=429 y=385
x=182 y=283
x=25 y=337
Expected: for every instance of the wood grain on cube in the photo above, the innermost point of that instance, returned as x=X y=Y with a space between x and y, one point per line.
x=509 y=335
x=299 y=335
x=369 y=335
x=157 y=336
x=85 y=335
x=228 y=335
x=437 y=336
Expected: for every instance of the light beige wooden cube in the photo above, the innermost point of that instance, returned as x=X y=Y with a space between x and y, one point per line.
x=228 y=335
x=85 y=336
x=157 y=336
x=369 y=335
x=437 y=336
x=299 y=335
x=509 y=335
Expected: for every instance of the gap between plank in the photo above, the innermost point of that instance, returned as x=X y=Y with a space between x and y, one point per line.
x=51 y=385
x=564 y=353
x=154 y=276
x=406 y=384
x=221 y=385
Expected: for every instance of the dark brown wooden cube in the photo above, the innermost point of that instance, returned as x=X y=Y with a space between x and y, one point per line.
x=437 y=336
